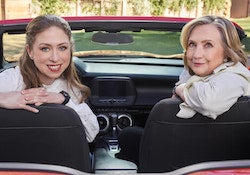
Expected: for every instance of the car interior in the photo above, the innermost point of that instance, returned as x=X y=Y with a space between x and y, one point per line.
x=29 y=137
x=127 y=90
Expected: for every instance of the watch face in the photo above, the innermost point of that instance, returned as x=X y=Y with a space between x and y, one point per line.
x=65 y=94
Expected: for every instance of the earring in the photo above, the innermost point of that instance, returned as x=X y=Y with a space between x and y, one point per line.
x=225 y=60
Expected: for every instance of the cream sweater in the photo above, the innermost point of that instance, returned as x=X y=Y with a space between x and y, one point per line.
x=214 y=94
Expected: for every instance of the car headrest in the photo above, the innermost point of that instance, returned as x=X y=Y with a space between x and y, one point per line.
x=54 y=136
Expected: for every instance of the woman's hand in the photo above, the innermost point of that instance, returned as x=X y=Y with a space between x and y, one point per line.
x=16 y=100
x=38 y=96
x=179 y=91
x=23 y=99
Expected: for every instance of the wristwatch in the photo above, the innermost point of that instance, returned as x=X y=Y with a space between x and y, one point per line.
x=66 y=96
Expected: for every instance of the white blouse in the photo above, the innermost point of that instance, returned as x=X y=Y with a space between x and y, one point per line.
x=12 y=80
x=214 y=94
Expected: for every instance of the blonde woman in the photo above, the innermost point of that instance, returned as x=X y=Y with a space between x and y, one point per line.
x=216 y=74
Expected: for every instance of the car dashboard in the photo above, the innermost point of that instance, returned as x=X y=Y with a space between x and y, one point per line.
x=123 y=92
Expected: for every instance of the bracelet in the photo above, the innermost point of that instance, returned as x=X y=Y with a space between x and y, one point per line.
x=66 y=96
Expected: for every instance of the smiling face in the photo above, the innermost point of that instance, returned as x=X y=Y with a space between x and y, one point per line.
x=51 y=53
x=205 y=51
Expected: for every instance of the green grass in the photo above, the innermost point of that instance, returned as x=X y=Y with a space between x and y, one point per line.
x=157 y=42
x=165 y=43
x=245 y=24
x=147 y=41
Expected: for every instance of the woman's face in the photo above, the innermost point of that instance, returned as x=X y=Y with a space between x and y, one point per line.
x=205 y=51
x=51 y=53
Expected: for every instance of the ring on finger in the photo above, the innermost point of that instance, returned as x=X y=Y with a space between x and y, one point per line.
x=35 y=99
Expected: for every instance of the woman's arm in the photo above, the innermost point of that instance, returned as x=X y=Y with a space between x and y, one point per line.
x=15 y=100
x=88 y=118
x=216 y=95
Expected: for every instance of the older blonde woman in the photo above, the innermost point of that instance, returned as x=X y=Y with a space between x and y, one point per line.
x=216 y=74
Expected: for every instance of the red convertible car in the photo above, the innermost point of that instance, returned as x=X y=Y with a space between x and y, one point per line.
x=131 y=65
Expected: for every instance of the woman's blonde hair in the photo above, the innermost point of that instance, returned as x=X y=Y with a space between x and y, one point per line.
x=28 y=69
x=233 y=49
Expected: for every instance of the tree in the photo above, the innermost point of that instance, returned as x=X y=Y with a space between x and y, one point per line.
x=190 y=4
x=91 y=7
x=158 y=7
x=139 y=7
x=57 y=7
x=211 y=6
x=175 y=5
x=110 y=7
x=100 y=7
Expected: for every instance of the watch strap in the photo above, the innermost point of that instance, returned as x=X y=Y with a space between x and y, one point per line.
x=66 y=96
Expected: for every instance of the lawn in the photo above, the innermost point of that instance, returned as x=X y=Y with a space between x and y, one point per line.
x=157 y=42
x=245 y=24
x=167 y=43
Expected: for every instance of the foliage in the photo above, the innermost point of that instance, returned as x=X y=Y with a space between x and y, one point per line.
x=139 y=7
x=102 y=7
x=190 y=4
x=175 y=5
x=111 y=7
x=91 y=7
x=158 y=7
x=52 y=6
x=210 y=6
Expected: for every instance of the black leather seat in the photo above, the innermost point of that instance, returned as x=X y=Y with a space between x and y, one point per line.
x=169 y=142
x=54 y=136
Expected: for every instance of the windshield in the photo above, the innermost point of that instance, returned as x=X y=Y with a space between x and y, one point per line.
x=144 y=43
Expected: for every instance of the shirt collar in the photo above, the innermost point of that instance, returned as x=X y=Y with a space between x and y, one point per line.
x=222 y=67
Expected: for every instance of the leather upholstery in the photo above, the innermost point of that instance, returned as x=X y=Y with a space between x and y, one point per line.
x=169 y=142
x=54 y=136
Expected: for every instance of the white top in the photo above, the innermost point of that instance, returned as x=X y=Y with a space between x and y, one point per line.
x=214 y=94
x=12 y=80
